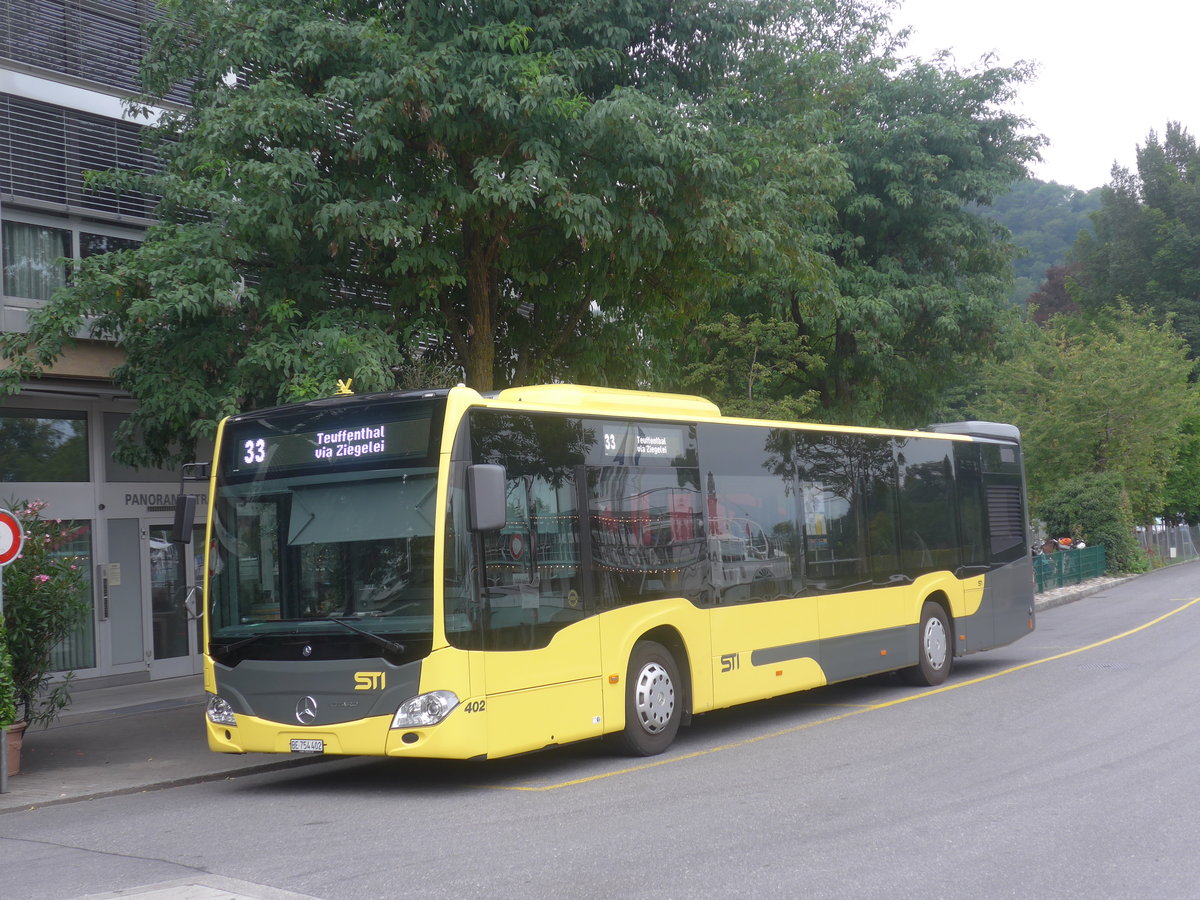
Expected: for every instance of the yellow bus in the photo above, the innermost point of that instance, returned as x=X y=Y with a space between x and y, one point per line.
x=462 y=575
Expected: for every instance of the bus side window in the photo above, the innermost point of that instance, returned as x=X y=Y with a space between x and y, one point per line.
x=881 y=502
x=929 y=539
x=754 y=547
x=969 y=485
x=647 y=533
x=833 y=472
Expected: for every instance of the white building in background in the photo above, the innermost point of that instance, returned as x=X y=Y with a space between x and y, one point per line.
x=65 y=66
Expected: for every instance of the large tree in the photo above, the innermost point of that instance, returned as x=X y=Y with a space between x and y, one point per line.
x=522 y=191
x=1146 y=246
x=908 y=285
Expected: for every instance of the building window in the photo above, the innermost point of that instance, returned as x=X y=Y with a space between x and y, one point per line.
x=33 y=260
x=96 y=244
x=119 y=472
x=36 y=248
x=43 y=445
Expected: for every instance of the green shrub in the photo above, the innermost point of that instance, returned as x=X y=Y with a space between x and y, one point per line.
x=45 y=597
x=8 y=688
x=1095 y=507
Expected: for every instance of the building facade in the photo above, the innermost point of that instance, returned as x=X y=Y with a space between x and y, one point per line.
x=65 y=67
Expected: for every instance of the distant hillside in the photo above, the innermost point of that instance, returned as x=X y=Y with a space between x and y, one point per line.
x=1044 y=218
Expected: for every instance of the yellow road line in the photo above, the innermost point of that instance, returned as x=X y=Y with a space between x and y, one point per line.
x=846 y=715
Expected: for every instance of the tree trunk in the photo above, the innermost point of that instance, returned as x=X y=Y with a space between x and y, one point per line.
x=479 y=362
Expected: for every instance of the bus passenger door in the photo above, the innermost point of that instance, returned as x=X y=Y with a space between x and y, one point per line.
x=541 y=636
x=544 y=696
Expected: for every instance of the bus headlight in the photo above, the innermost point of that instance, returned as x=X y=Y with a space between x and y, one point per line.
x=219 y=711
x=425 y=709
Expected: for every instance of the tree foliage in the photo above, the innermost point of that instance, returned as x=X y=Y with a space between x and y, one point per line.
x=1146 y=246
x=752 y=368
x=1045 y=219
x=521 y=192
x=1105 y=396
x=907 y=284
x=1053 y=297
x=1181 y=502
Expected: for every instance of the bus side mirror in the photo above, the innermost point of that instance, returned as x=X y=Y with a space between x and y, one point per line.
x=485 y=497
x=185 y=516
x=185 y=504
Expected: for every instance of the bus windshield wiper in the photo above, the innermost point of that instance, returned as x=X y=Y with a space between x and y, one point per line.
x=370 y=635
x=238 y=645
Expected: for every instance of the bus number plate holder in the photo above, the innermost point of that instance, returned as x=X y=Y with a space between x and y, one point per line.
x=307 y=745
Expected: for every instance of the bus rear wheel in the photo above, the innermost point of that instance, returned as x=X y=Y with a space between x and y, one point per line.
x=653 y=700
x=935 y=652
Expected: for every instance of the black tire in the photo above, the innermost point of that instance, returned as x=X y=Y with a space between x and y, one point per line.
x=653 y=700
x=935 y=648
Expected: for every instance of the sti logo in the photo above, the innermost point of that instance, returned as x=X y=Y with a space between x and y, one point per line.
x=370 y=681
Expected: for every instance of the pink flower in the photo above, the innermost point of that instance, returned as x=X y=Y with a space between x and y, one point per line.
x=41 y=578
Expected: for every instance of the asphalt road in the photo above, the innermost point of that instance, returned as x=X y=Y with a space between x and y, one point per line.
x=1066 y=765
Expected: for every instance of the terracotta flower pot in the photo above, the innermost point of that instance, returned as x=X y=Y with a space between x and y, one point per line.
x=16 y=734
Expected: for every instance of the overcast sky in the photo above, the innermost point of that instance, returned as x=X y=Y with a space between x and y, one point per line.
x=1108 y=73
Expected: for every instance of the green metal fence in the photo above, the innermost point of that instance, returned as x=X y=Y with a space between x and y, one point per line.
x=1055 y=570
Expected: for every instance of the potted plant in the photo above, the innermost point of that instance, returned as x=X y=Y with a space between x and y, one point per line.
x=45 y=598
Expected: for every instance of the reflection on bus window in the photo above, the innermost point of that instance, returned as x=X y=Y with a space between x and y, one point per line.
x=647 y=534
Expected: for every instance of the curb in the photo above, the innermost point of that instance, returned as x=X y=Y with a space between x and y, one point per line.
x=1084 y=590
x=165 y=784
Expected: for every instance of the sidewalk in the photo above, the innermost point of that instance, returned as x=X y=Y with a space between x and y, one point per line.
x=145 y=736
x=120 y=740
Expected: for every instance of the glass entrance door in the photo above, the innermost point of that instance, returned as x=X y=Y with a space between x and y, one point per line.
x=175 y=603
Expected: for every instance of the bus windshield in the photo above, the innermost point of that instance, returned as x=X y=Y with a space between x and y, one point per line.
x=334 y=551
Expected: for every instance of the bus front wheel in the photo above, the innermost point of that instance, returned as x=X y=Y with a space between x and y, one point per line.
x=935 y=650
x=653 y=700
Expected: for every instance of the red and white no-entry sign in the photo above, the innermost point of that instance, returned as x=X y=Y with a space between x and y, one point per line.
x=11 y=537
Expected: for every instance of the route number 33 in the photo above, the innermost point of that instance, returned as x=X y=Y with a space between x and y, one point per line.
x=255 y=451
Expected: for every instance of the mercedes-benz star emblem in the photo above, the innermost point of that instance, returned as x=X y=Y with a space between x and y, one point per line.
x=306 y=710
